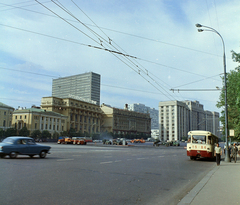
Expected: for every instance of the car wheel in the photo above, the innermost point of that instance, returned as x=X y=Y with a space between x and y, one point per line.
x=42 y=154
x=13 y=155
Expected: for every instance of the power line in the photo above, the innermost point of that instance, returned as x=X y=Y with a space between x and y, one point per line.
x=116 y=31
x=133 y=68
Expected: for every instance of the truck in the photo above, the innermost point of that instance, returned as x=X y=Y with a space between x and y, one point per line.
x=79 y=141
x=64 y=140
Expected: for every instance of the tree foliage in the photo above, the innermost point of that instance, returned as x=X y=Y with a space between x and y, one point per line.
x=36 y=134
x=24 y=132
x=46 y=134
x=11 y=132
x=233 y=99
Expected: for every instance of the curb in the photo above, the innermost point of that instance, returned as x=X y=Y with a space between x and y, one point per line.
x=193 y=193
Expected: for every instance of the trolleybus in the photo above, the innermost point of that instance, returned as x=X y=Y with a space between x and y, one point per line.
x=201 y=144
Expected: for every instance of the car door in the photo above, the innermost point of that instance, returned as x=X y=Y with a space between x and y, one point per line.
x=32 y=147
x=21 y=146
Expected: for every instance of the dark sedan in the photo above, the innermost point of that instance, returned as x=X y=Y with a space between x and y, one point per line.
x=17 y=145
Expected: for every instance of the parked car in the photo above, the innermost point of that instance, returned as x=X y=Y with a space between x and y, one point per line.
x=17 y=145
x=176 y=143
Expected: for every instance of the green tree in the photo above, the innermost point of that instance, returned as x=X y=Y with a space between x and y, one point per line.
x=55 y=135
x=36 y=134
x=11 y=132
x=2 y=133
x=233 y=99
x=64 y=133
x=72 y=132
x=46 y=134
x=24 y=132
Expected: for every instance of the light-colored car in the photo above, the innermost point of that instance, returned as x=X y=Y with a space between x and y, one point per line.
x=17 y=145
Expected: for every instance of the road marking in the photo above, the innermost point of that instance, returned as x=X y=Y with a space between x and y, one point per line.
x=160 y=156
x=106 y=162
x=118 y=161
x=76 y=155
x=129 y=159
x=60 y=160
x=141 y=158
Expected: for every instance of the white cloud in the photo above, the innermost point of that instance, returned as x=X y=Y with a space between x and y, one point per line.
x=181 y=52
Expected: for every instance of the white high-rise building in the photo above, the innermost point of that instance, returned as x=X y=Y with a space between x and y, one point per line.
x=138 y=107
x=83 y=87
x=176 y=118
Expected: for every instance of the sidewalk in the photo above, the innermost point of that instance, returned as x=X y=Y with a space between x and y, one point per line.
x=219 y=186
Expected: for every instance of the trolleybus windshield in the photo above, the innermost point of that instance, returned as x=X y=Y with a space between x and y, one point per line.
x=200 y=139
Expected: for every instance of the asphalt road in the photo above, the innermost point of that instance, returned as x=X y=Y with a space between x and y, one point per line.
x=97 y=174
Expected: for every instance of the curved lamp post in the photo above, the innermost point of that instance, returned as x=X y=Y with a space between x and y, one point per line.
x=227 y=158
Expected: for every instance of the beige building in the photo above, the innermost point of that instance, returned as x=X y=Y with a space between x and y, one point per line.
x=82 y=116
x=5 y=116
x=39 y=119
x=123 y=121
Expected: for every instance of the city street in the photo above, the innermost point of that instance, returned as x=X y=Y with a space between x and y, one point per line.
x=101 y=174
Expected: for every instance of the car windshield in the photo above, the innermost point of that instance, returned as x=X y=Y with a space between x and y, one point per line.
x=8 y=140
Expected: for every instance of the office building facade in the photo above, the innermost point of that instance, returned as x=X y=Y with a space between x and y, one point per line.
x=125 y=122
x=177 y=118
x=83 y=87
x=138 y=107
x=81 y=116
x=38 y=119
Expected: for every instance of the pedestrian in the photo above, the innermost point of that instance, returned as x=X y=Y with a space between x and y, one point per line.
x=234 y=151
x=218 y=153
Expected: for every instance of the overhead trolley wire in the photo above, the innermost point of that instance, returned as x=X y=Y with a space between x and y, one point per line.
x=116 y=52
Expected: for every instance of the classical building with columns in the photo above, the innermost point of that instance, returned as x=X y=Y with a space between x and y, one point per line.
x=123 y=121
x=39 y=119
x=81 y=116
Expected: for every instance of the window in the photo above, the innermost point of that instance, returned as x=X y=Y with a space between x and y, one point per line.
x=35 y=125
x=5 y=113
x=20 y=116
x=25 y=117
x=4 y=123
x=15 y=117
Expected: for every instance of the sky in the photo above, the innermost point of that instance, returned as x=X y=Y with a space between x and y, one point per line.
x=146 y=51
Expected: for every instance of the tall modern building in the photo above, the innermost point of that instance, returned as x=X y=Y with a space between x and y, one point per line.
x=83 y=87
x=176 y=118
x=138 y=107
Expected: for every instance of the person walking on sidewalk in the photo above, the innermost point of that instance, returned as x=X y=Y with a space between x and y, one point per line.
x=218 y=153
x=234 y=151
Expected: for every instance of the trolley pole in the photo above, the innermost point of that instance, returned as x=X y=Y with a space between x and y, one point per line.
x=227 y=157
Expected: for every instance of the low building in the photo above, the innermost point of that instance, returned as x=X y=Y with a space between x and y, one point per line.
x=125 y=122
x=5 y=116
x=39 y=119
x=81 y=116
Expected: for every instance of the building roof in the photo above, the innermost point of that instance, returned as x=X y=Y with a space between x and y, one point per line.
x=5 y=106
x=37 y=110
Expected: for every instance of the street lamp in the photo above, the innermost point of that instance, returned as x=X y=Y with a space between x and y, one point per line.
x=227 y=158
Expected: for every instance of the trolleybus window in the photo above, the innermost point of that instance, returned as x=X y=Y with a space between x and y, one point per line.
x=201 y=139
